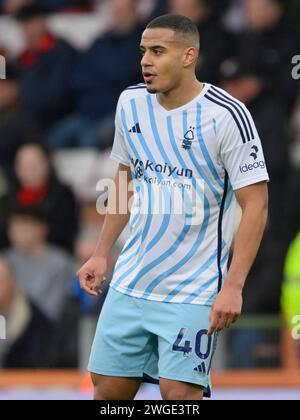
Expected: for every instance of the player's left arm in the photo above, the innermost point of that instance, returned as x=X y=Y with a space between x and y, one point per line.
x=227 y=308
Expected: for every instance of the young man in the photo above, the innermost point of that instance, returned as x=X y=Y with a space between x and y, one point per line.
x=196 y=146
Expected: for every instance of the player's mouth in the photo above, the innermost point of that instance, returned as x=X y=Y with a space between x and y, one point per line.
x=148 y=77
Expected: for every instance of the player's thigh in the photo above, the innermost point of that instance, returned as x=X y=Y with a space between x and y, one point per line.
x=172 y=390
x=121 y=345
x=114 y=388
x=185 y=350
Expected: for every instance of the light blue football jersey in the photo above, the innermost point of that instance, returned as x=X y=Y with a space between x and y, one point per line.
x=185 y=164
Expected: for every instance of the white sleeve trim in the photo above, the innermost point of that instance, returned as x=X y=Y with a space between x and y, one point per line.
x=250 y=181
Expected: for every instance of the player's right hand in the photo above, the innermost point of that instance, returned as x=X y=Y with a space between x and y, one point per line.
x=92 y=275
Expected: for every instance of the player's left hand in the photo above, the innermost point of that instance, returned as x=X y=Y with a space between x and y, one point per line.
x=226 y=310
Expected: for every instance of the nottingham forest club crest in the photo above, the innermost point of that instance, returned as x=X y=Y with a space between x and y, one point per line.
x=189 y=137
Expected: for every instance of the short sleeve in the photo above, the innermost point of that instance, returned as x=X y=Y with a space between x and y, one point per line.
x=119 y=151
x=241 y=150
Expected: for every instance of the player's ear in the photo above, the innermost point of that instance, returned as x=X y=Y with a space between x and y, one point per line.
x=190 y=56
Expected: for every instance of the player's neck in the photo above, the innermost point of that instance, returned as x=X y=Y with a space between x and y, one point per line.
x=180 y=96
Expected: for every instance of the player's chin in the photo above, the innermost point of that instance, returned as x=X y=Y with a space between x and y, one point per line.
x=152 y=89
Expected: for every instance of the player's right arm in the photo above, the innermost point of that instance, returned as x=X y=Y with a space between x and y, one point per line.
x=241 y=153
x=91 y=275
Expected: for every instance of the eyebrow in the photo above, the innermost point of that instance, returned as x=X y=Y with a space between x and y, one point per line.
x=153 y=47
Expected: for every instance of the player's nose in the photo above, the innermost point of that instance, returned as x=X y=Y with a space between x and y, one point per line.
x=145 y=61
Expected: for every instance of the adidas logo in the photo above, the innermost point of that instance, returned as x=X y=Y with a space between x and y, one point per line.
x=200 y=368
x=135 y=129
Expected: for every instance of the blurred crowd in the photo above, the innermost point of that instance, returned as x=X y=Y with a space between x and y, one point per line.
x=59 y=99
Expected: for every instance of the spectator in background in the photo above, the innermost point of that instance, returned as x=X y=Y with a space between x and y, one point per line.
x=215 y=42
x=293 y=7
x=43 y=69
x=28 y=341
x=3 y=209
x=108 y=67
x=160 y=7
x=16 y=129
x=217 y=7
x=42 y=272
x=37 y=184
x=15 y=125
x=67 y=5
x=260 y=76
x=12 y=6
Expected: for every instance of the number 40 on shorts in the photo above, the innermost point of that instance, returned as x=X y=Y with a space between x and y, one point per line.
x=201 y=336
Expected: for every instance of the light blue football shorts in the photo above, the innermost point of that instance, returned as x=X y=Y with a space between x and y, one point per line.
x=140 y=338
